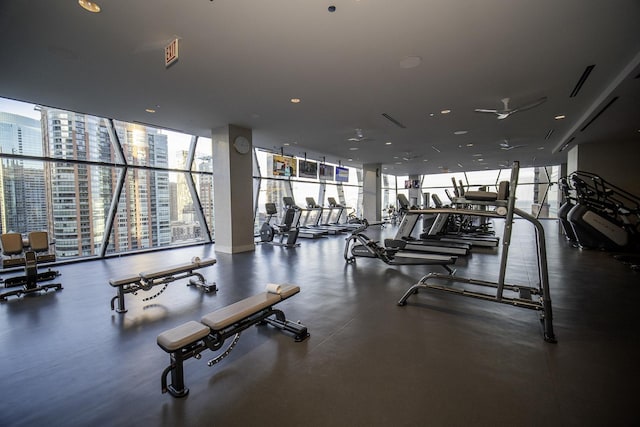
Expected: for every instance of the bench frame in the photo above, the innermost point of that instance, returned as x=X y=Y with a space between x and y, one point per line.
x=147 y=280
x=215 y=339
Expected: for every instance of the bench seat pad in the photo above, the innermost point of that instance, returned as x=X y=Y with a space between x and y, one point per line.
x=124 y=280
x=485 y=196
x=176 y=269
x=237 y=311
x=182 y=335
x=227 y=316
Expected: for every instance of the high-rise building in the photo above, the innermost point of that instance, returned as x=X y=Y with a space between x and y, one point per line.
x=23 y=205
x=81 y=194
x=205 y=189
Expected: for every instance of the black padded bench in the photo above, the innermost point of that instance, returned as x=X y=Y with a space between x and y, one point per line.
x=190 y=339
x=148 y=279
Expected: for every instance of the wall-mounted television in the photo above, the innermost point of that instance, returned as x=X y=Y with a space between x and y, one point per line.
x=284 y=165
x=307 y=169
x=342 y=174
x=326 y=172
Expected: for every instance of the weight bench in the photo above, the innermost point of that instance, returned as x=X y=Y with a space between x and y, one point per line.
x=190 y=339
x=146 y=280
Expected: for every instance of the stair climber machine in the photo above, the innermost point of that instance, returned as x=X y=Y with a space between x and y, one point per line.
x=603 y=216
x=563 y=212
x=359 y=244
x=288 y=228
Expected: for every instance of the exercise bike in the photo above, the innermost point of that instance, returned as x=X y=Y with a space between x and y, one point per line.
x=288 y=228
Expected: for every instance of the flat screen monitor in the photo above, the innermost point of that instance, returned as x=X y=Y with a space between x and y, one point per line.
x=283 y=165
x=326 y=172
x=342 y=174
x=307 y=169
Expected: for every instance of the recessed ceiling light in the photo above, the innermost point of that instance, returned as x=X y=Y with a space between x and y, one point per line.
x=460 y=132
x=410 y=61
x=350 y=160
x=150 y=110
x=398 y=163
x=445 y=111
x=286 y=144
x=476 y=155
x=460 y=165
x=353 y=148
x=295 y=100
x=560 y=117
x=388 y=143
x=540 y=148
x=470 y=144
x=89 y=5
x=425 y=160
x=431 y=114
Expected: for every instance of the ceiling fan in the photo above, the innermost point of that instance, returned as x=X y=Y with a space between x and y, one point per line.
x=409 y=156
x=506 y=111
x=359 y=136
x=504 y=145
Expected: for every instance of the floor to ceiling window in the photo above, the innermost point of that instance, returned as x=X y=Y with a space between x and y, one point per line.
x=102 y=186
x=277 y=176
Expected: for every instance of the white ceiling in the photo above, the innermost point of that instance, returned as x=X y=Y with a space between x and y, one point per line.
x=241 y=61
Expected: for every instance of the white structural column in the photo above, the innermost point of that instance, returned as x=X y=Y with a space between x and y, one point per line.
x=372 y=191
x=232 y=190
x=415 y=194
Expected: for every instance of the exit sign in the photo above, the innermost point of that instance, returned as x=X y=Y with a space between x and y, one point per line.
x=171 y=53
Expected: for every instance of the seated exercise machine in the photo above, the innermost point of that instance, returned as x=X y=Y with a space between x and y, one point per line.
x=192 y=338
x=28 y=253
x=359 y=244
x=145 y=281
x=530 y=297
x=289 y=227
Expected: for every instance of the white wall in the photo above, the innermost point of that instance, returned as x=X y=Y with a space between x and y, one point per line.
x=616 y=163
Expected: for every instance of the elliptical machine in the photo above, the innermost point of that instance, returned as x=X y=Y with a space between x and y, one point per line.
x=288 y=228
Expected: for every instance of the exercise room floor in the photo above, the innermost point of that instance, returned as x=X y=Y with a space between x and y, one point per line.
x=66 y=359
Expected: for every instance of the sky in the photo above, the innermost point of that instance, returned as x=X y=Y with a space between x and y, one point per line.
x=20 y=108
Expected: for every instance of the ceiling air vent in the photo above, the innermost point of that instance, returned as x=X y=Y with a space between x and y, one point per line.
x=581 y=81
x=566 y=145
x=598 y=115
x=394 y=121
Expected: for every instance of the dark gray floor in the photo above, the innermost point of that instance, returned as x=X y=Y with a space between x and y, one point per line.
x=443 y=360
